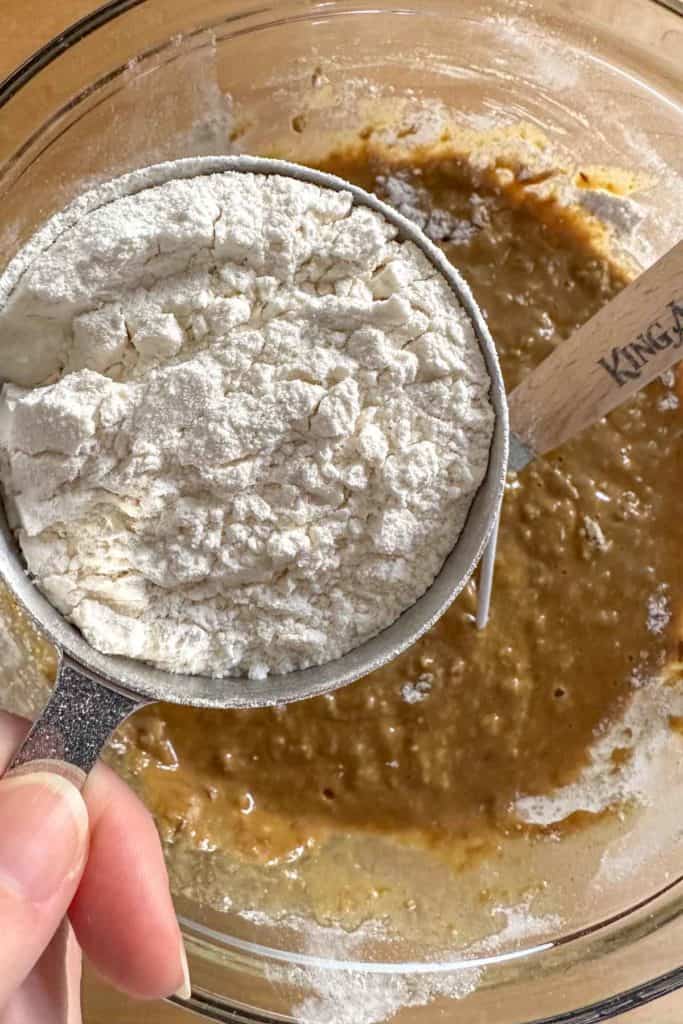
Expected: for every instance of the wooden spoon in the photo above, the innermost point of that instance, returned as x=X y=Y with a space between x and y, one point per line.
x=630 y=341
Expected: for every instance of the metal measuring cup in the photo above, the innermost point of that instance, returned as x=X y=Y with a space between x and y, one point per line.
x=94 y=692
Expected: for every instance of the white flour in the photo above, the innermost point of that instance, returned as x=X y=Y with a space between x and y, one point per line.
x=643 y=733
x=262 y=423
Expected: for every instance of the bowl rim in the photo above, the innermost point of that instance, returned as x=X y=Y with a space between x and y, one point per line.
x=236 y=1013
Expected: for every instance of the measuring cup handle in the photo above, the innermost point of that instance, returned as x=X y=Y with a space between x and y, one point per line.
x=73 y=727
x=632 y=340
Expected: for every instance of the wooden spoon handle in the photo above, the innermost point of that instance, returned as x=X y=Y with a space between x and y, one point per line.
x=634 y=338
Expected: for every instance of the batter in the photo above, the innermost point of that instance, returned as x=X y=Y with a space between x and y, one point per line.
x=435 y=748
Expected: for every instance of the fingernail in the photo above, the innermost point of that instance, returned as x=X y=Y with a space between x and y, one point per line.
x=43 y=834
x=185 y=990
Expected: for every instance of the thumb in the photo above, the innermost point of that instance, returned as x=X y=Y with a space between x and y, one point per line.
x=43 y=847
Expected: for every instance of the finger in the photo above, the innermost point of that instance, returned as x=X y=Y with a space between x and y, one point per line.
x=52 y=990
x=12 y=732
x=43 y=847
x=122 y=913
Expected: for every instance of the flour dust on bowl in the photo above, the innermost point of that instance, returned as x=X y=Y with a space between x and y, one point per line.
x=479 y=828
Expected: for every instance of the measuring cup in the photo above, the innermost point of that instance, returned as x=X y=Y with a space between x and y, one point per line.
x=94 y=692
x=574 y=387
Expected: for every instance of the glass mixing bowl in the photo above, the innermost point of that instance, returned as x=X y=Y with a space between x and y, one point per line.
x=143 y=80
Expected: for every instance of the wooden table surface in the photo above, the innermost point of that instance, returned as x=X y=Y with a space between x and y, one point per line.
x=24 y=26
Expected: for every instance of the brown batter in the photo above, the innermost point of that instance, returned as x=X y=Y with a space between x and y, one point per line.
x=435 y=747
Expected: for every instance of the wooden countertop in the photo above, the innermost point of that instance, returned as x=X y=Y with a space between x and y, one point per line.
x=23 y=28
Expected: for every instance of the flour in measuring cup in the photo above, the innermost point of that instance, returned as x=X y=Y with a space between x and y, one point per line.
x=245 y=423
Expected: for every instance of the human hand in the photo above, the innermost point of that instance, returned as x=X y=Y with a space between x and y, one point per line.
x=96 y=856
